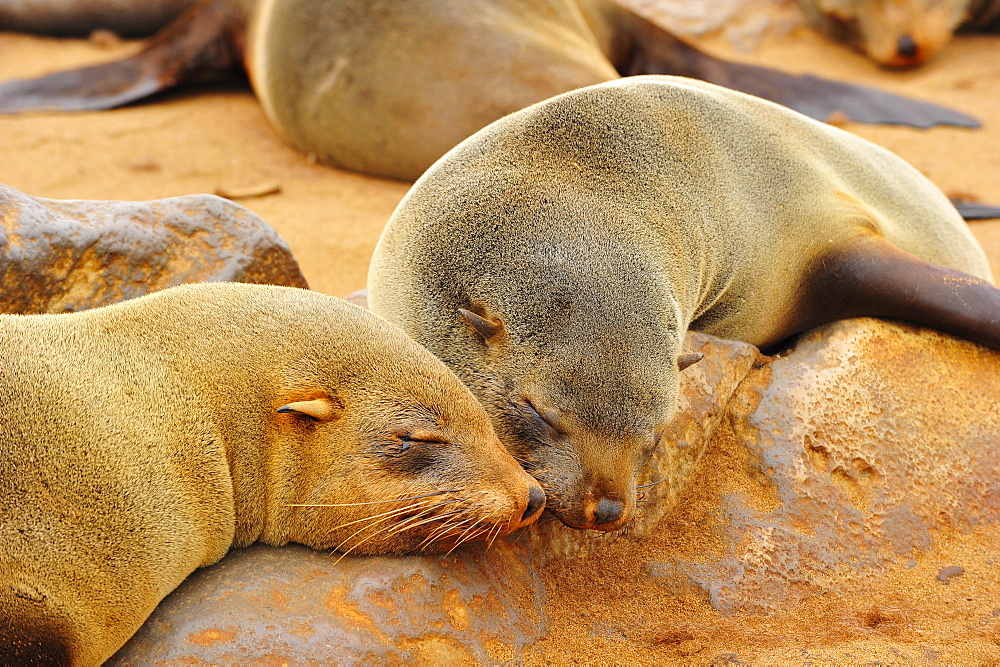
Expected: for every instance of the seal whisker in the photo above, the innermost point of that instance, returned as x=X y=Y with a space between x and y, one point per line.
x=526 y=463
x=388 y=515
x=468 y=535
x=424 y=520
x=385 y=516
x=376 y=502
x=467 y=538
x=489 y=542
x=442 y=530
x=469 y=532
x=389 y=529
x=646 y=486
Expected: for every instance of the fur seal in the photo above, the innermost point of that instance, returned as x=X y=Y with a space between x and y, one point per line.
x=555 y=259
x=144 y=439
x=898 y=33
x=78 y=18
x=386 y=87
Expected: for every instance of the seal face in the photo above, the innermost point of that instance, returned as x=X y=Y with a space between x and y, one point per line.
x=892 y=33
x=144 y=439
x=555 y=259
x=900 y=34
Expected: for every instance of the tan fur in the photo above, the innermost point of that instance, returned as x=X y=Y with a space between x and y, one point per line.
x=876 y=27
x=142 y=440
x=592 y=230
x=429 y=59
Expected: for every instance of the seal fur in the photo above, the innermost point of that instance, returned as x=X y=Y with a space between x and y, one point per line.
x=143 y=440
x=555 y=259
x=386 y=87
x=900 y=34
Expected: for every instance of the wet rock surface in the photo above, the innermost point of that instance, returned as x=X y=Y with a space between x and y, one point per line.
x=66 y=255
x=293 y=605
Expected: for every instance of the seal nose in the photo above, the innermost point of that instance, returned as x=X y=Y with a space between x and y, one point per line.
x=536 y=501
x=608 y=511
x=906 y=47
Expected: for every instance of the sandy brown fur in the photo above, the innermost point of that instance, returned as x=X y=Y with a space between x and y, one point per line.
x=900 y=34
x=595 y=228
x=142 y=441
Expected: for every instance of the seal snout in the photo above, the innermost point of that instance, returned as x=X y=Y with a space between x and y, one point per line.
x=536 y=502
x=605 y=514
x=608 y=511
x=906 y=47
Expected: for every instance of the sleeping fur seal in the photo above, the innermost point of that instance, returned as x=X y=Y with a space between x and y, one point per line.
x=143 y=440
x=900 y=33
x=386 y=87
x=555 y=259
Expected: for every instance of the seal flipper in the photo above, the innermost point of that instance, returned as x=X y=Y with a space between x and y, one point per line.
x=204 y=40
x=871 y=277
x=971 y=210
x=642 y=47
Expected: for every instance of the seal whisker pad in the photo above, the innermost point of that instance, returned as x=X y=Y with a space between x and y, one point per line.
x=580 y=238
x=273 y=426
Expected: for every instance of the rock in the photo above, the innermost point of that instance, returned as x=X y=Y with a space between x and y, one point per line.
x=359 y=298
x=744 y=23
x=860 y=448
x=58 y=256
x=293 y=605
x=949 y=571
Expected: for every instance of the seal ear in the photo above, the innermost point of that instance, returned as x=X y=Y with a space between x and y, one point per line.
x=318 y=409
x=685 y=360
x=488 y=329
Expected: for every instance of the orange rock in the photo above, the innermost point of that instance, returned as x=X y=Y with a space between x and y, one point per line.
x=862 y=447
x=58 y=256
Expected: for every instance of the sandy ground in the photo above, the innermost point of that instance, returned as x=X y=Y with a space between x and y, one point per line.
x=603 y=608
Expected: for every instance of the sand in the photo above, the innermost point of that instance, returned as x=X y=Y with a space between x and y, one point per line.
x=603 y=608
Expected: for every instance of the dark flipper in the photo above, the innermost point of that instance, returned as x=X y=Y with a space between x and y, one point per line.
x=203 y=41
x=871 y=277
x=971 y=210
x=645 y=48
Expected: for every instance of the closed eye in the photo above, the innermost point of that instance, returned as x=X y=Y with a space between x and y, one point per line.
x=537 y=415
x=417 y=439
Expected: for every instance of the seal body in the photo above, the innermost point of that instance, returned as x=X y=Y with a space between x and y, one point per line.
x=555 y=259
x=386 y=87
x=142 y=440
x=422 y=74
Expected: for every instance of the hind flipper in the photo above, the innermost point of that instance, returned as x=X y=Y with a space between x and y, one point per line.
x=203 y=40
x=870 y=277
x=971 y=210
x=642 y=47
